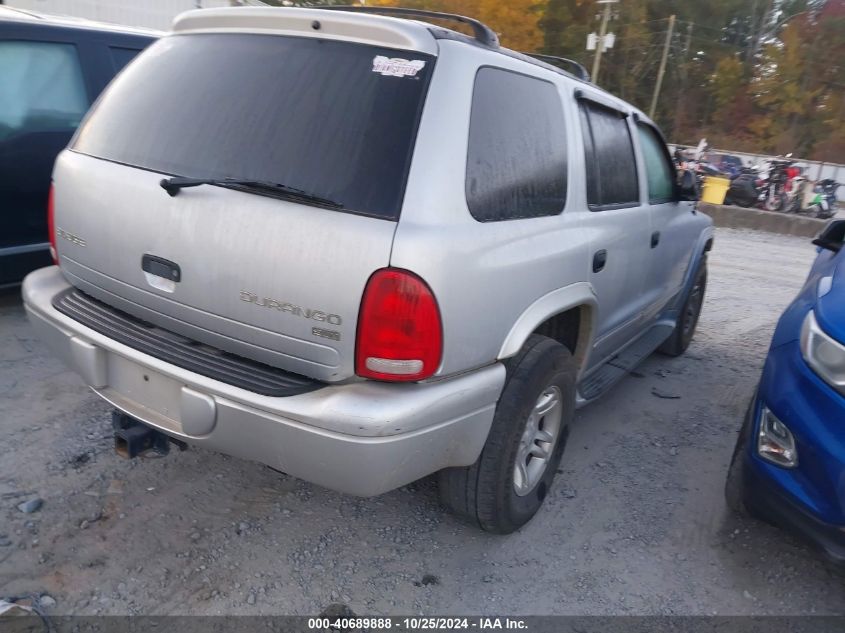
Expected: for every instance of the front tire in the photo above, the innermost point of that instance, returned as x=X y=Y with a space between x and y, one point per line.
x=506 y=486
x=775 y=202
x=687 y=321
x=735 y=490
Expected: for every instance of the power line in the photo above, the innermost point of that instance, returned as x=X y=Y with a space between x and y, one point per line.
x=706 y=41
x=638 y=22
x=705 y=28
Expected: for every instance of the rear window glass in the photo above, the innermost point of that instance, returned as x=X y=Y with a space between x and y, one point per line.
x=516 y=162
x=335 y=119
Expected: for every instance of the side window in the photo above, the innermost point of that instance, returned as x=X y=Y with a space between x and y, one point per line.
x=43 y=89
x=516 y=162
x=121 y=56
x=658 y=168
x=609 y=158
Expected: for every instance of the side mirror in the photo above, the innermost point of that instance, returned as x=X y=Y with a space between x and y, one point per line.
x=688 y=186
x=833 y=236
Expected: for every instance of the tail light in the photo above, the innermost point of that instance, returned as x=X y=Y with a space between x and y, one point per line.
x=400 y=334
x=51 y=225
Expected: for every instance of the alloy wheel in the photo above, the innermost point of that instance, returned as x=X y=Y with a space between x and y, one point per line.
x=538 y=440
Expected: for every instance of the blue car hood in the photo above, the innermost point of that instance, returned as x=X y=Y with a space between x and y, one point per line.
x=830 y=309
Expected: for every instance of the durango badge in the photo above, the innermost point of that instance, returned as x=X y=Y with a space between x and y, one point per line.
x=284 y=306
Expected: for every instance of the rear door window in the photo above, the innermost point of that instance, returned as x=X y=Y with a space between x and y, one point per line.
x=609 y=158
x=335 y=119
x=517 y=156
x=660 y=173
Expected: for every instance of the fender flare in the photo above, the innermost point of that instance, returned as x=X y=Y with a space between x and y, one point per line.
x=702 y=247
x=577 y=295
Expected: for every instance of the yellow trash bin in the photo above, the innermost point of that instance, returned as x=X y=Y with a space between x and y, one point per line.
x=714 y=190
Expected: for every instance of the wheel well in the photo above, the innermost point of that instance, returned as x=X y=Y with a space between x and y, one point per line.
x=570 y=328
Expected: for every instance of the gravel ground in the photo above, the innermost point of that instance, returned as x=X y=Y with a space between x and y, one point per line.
x=635 y=524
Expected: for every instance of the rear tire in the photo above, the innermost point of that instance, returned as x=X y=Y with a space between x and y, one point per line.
x=687 y=320
x=506 y=486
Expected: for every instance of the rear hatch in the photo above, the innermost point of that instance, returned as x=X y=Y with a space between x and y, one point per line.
x=256 y=270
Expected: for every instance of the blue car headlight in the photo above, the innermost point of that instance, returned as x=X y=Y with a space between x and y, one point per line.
x=825 y=355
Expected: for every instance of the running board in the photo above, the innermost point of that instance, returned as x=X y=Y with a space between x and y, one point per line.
x=619 y=366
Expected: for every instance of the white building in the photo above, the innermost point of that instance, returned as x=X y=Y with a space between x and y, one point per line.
x=153 y=14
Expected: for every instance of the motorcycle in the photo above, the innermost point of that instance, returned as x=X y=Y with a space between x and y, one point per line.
x=747 y=188
x=823 y=204
x=796 y=183
x=775 y=193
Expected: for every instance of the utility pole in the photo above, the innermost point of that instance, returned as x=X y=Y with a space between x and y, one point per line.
x=684 y=77
x=662 y=69
x=600 y=44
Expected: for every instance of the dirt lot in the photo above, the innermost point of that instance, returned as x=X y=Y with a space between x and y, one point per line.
x=636 y=523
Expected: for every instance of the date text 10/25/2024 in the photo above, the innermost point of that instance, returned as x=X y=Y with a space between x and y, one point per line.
x=416 y=623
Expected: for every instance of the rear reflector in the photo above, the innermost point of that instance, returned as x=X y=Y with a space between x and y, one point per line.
x=51 y=225
x=399 y=329
x=394 y=367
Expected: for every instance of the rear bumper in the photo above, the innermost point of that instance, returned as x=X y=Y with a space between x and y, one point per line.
x=363 y=438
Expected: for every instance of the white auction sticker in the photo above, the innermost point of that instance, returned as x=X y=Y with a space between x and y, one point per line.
x=396 y=66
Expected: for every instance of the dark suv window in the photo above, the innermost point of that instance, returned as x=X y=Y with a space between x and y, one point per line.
x=42 y=100
x=335 y=119
x=609 y=158
x=516 y=162
x=43 y=89
x=120 y=56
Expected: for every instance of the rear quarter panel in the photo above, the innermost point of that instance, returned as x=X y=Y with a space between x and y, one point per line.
x=485 y=275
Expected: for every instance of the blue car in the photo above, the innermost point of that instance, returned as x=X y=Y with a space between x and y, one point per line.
x=788 y=466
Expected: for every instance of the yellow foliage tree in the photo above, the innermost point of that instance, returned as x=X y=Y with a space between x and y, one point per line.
x=516 y=21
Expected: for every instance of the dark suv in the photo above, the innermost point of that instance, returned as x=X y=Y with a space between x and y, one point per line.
x=51 y=70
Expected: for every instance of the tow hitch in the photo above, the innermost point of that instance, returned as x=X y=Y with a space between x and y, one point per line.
x=133 y=438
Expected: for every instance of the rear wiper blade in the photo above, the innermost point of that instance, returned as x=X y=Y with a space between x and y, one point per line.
x=175 y=184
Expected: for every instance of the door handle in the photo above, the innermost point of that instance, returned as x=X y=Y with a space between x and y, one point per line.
x=161 y=267
x=599 y=260
x=655 y=239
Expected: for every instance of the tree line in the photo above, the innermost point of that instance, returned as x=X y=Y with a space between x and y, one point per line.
x=762 y=76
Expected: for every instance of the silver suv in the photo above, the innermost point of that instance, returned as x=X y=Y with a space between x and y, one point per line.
x=363 y=249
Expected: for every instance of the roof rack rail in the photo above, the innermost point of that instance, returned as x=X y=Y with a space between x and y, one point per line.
x=483 y=33
x=560 y=62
